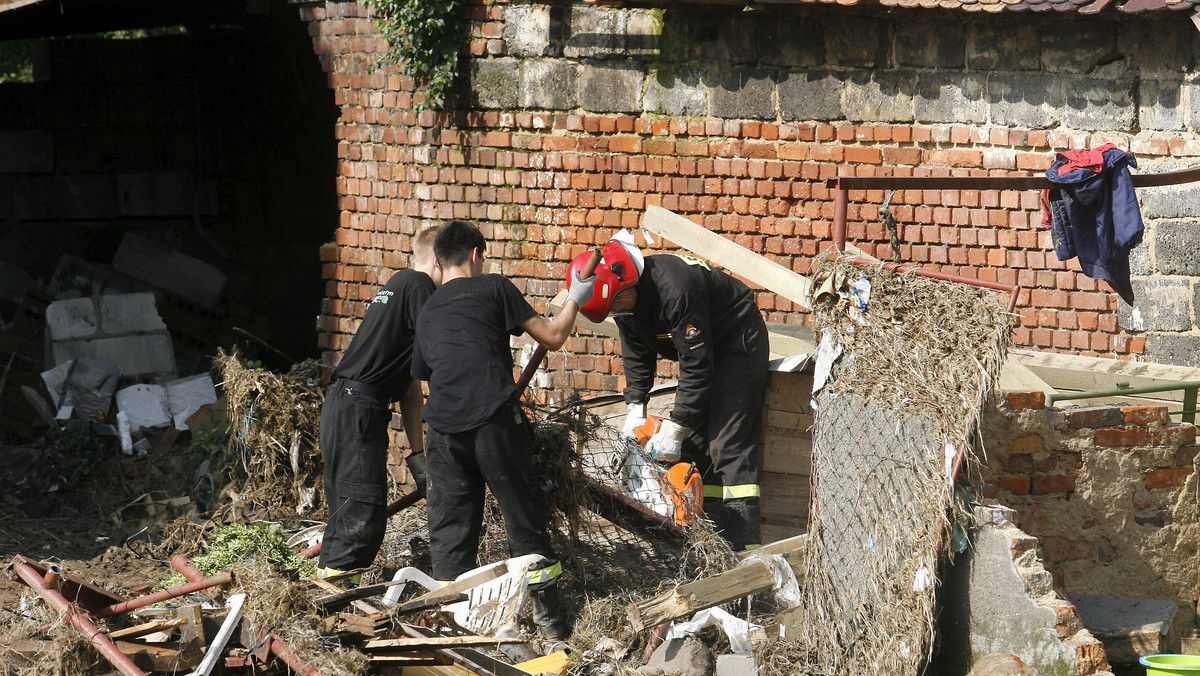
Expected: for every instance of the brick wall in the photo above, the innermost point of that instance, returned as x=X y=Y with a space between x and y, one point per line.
x=575 y=117
x=1109 y=491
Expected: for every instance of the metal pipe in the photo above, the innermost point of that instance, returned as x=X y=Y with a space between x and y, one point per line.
x=992 y=182
x=97 y=638
x=841 y=197
x=53 y=573
x=1123 y=391
x=174 y=592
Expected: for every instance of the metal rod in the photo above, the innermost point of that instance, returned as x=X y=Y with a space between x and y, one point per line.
x=841 y=198
x=217 y=580
x=1187 y=386
x=1188 y=414
x=97 y=638
x=991 y=182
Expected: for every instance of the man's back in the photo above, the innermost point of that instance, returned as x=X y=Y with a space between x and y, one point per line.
x=380 y=353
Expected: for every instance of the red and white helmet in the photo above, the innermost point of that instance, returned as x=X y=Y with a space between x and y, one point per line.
x=619 y=269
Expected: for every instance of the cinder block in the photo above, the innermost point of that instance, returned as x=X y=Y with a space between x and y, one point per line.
x=1129 y=627
x=145 y=405
x=736 y=665
x=126 y=313
x=136 y=355
x=71 y=319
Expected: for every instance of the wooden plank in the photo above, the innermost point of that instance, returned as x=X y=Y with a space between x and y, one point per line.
x=433 y=642
x=148 y=628
x=1074 y=373
x=751 y=577
x=728 y=254
x=785 y=499
x=788 y=455
x=169 y=657
x=460 y=586
x=325 y=584
x=345 y=598
x=1015 y=376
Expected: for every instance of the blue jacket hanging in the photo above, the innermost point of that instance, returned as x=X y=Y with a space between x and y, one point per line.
x=1095 y=216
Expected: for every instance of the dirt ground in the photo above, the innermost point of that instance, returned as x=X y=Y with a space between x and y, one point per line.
x=66 y=500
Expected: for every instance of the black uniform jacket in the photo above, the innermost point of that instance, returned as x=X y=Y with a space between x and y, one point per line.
x=688 y=312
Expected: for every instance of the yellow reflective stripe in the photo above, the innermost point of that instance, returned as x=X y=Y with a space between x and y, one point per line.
x=742 y=491
x=544 y=574
x=443 y=582
x=713 y=491
x=748 y=547
x=334 y=572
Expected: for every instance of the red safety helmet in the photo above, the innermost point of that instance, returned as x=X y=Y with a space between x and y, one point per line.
x=619 y=269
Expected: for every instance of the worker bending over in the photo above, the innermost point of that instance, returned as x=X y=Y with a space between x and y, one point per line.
x=478 y=433
x=679 y=307
x=374 y=371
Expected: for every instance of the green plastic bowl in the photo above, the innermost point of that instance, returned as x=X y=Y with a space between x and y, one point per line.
x=1171 y=665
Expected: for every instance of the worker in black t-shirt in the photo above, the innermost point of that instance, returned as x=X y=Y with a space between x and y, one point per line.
x=478 y=434
x=679 y=307
x=375 y=370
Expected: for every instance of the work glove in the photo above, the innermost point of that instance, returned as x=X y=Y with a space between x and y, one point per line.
x=416 y=467
x=635 y=417
x=667 y=444
x=581 y=290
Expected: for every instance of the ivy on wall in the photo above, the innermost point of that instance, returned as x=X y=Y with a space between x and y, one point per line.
x=424 y=39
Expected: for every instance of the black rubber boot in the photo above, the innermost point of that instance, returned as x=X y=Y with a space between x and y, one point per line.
x=722 y=518
x=548 y=615
x=745 y=516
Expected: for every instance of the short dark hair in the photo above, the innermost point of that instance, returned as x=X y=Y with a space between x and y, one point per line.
x=455 y=241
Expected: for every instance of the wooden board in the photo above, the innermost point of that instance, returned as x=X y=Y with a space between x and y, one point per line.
x=784 y=504
x=1073 y=373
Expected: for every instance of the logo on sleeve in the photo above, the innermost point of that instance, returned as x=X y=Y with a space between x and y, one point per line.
x=691 y=332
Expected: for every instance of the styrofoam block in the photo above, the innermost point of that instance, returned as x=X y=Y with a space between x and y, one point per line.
x=71 y=319
x=187 y=395
x=124 y=313
x=145 y=405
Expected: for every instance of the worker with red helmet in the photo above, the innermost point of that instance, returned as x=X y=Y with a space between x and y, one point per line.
x=681 y=308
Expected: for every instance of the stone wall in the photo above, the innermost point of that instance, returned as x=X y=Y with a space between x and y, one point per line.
x=575 y=117
x=1109 y=491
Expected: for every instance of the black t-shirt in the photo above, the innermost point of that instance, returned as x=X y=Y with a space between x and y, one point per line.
x=688 y=312
x=380 y=354
x=463 y=350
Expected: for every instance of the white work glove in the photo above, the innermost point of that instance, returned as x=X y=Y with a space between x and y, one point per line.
x=667 y=445
x=581 y=290
x=635 y=417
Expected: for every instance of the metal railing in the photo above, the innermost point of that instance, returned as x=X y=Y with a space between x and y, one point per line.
x=1187 y=414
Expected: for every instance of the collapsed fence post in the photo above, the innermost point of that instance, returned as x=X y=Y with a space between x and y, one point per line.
x=84 y=626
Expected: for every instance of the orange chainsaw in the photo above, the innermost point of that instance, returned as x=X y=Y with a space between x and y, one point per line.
x=683 y=484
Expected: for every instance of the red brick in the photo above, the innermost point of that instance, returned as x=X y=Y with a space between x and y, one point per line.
x=1121 y=436
x=1167 y=478
x=1026 y=444
x=1174 y=435
x=1094 y=416
x=863 y=155
x=1016 y=485
x=1057 y=549
x=1055 y=483
x=1144 y=415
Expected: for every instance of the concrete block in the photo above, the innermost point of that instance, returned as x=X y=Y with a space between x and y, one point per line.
x=611 y=87
x=880 y=96
x=145 y=405
x=595 y=32
x=742 y=93
x=1101 y=104
x=26 y=152
x=1025 y=99
x=135 y=355
x=1177 y=248
x=680 y=656
x=1163 y=48
x=75 y=277
x=1139 y=256
x=1003 y=44
x=1159 y=104
x=55 y=380
x=527 y=30
x=494 y=83
x=811 y=95
x=1174 y=201
x=125 y=313
x=84 y=385
x=643 y=33
x=677 y=90
x=736 y=665
x=1077 y=47
x=1180 y=350
x=1129 y=628
x=188 y=395
x=163 y=267
x=791 y=44
x=71 y=319
x=857 y=42
x=926 y=43
x=951 y=99
x=547 y=85
x=1158 y=305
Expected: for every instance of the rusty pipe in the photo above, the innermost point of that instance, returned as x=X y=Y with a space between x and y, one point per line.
x=656 y=638
x=841 y=198
x=276 y=645
x=53 y=573
x=97 y=638
x=150 y=599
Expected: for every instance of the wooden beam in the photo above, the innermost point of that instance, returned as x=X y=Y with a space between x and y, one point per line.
x=325 y=584
x=345 y=598
x=1073 y=373
x=728 y=254
x=751 y=577
x=148 y=628
x=1015 y=376
x=169 y=657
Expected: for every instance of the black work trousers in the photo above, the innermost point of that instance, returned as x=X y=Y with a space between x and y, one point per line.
x=728 y=449
x=354 y=443
x=497 y=455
